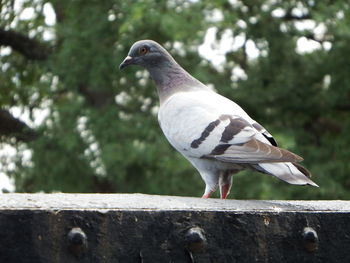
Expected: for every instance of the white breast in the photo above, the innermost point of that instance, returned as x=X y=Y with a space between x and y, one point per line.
x=185 y=115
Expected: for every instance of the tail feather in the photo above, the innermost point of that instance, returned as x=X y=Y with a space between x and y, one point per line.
x=289 y=172
x=303 y=170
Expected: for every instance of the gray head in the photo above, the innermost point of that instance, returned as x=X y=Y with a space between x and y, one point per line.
x=148 y=54
x=168 y=76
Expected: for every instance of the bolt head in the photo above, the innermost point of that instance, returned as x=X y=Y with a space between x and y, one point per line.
x=195 y=240
x=77 y=241
x=310 y=239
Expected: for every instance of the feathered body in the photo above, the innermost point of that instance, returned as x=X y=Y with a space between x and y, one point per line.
x=212 y=132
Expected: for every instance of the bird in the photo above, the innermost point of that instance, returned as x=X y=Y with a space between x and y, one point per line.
x=211 y=131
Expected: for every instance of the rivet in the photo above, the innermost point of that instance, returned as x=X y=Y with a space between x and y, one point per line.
x=195 y=240
x=310 y=239
x=77 y=241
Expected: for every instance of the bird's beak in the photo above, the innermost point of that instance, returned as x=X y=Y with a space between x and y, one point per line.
x=126 y=62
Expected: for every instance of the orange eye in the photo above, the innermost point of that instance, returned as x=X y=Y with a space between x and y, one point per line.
x=143 y=50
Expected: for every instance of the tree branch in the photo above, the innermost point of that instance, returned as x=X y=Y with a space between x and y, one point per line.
x=28 y=47
x=13 y=127
x=289 y=16
x=319 y=40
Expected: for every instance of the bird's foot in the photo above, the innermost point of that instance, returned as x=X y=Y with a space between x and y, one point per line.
x=207 y=195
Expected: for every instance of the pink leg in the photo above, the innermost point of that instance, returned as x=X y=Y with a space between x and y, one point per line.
x=225 y=184
x=207 y=195
x=224 y=190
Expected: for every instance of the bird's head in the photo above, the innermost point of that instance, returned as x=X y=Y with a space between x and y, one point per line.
x=146 y=53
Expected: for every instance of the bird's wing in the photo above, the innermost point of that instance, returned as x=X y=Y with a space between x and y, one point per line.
x=207 y=125
x=253 y=151
x=265 y=133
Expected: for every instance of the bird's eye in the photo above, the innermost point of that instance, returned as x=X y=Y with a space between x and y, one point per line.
x=143 y=50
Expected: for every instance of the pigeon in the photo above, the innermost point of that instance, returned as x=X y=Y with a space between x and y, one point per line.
x=212 y=132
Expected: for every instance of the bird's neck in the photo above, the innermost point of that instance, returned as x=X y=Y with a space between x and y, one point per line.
x=170 y=78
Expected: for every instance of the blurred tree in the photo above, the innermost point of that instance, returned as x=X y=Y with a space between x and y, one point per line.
x=99 y=131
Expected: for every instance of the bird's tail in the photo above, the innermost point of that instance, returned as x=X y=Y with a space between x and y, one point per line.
x=292 y=173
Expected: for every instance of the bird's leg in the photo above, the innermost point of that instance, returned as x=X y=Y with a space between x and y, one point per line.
x=207 y=195
x=211 y=183
x=208 y=191
x=224 y=190
x=225 y=183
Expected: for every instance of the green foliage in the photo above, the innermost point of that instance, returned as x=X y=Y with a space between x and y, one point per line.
x=101 y=132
